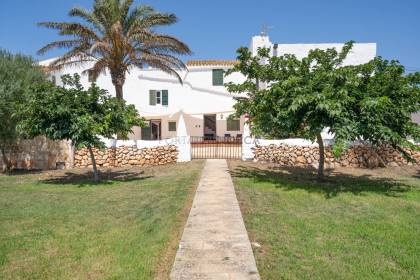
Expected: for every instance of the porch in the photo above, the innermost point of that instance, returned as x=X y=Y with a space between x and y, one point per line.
x=210 y=126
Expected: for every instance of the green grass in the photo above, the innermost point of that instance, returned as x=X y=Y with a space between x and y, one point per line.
x=357 y=224
x=60 y=226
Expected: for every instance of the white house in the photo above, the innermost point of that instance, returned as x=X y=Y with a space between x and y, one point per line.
x=201 y=99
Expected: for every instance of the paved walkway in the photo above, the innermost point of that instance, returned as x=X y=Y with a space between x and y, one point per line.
x=215 y=243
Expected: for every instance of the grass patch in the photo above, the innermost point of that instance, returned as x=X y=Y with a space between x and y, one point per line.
x=57 y=225
x=356 y=224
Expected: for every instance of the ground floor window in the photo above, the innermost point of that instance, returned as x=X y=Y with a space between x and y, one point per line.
x=233 y=125
x=151 y=130
x=171 y=126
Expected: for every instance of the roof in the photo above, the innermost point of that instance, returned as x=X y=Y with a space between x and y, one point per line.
x=211 y=62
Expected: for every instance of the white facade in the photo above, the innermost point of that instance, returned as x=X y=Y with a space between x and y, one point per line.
x=197 y=97
x=359 y=54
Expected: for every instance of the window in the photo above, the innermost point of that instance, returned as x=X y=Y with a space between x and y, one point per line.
x=171 y=126
x=146 y=131
x=233 y=125
x=217 y=77
x=91 y=77
x=158 y=97
x=54 y=80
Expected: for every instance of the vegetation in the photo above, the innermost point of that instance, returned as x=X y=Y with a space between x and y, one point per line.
x=82 y=116
x=116 y=37
x=286 y=96
x=56 y=225
x=17 y=74
x=356 y=224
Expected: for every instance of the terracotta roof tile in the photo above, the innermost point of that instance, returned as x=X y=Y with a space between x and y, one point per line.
x=211 y=62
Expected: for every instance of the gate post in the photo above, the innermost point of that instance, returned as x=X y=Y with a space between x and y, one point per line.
x=248 y=143
x=183 y=141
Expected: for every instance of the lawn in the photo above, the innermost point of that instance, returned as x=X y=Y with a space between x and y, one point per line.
x=356 y=224
x=57 y=225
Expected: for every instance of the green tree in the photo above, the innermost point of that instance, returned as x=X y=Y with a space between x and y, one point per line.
x=82 y=116
x=17 y=74
x=372 y=102
x=116 y=37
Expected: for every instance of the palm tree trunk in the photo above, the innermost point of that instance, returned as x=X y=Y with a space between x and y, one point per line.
x=118 y=80
x=95 y=169
x=321 y=155
x=119 y=91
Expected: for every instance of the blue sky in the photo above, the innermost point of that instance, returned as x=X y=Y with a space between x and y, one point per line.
x=214 y=29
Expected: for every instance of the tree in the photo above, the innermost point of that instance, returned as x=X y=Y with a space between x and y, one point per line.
x=371 y=102
x=82 y=116
x=17 y=74
x=117 y=37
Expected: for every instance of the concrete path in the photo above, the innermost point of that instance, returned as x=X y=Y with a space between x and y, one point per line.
x=215 y=243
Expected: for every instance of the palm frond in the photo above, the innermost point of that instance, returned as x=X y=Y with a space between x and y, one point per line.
x=59 y=45
x=98 y=68
x=165 y=63
x=71 y=28
x=88 y=16
x=136 y=14
x=168 y=43
x=125 y=9
x=157 y=19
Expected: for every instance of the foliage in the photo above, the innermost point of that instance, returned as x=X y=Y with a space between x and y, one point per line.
x=116 y=36
x=371 y=102
x=82 y=116
x=17 y=74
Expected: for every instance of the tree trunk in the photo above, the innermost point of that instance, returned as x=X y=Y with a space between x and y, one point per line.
x=7 y=166
x=95 y=169
x=118 y=80
x=119 y=91
x=321 y=155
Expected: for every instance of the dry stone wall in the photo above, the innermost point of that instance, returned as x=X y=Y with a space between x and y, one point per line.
x=40 y=153
x=127 y=156
x=356 y=156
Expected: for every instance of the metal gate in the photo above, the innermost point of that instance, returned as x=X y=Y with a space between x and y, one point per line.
x=216 y=147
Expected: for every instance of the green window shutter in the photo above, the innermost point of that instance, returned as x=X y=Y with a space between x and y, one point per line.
x=146 y=131
x=165 y=97
x=217 y=77
x=233 y=125
x=152 y=97
x=171 y=126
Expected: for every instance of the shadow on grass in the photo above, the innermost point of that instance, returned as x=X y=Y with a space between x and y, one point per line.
x=290 y=178
x=84 y=179
x=18 y=172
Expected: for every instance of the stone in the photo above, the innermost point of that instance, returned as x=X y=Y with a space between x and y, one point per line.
x=301 y=159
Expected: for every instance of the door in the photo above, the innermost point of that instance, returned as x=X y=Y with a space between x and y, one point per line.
x=209 y=127
x=152 y=130
x=155 y=129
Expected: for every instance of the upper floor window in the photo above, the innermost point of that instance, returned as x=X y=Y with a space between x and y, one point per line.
x=158 y=97
x=217 y=77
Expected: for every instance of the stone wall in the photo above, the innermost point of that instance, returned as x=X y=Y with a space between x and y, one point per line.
x=356 y=156
x=40 y=153
x=127 y=156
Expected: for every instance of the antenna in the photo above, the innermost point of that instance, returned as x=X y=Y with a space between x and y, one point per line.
x=264 y=30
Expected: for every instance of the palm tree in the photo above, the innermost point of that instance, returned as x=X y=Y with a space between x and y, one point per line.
x=117 y=37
